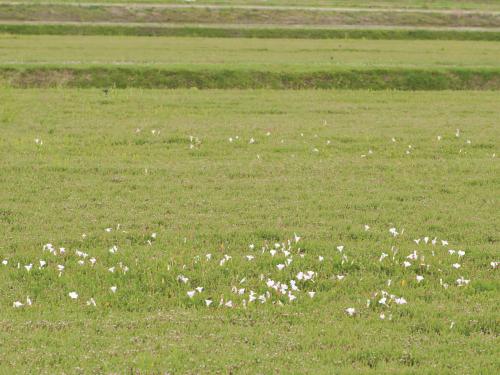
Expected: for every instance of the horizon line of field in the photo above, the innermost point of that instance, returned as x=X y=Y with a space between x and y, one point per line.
x=160 y=78
x=375 y=33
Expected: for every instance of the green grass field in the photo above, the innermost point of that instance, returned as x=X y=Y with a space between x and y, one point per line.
x=258 y=54
x=327 y=168
x=107 y=61
x=246 y=196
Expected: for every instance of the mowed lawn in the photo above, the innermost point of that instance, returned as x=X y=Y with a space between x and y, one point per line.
x=241 y=53
x=171 y=176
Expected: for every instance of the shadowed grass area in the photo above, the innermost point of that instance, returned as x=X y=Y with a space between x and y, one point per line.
x=323 y=164
x=373 y=79
x=247 y=32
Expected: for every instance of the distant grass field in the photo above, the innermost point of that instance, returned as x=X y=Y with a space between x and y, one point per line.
x=99 y=61
x=417 y=4
x=239 y=16
x=256 y=54
x=323 y=165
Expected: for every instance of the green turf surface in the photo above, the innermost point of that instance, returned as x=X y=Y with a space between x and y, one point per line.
x=239 y=16
x=327 y=168
x=257 y=54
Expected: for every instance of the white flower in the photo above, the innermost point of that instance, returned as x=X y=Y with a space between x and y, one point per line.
x=28 y=267
x=113 y=289
x=199 y=289
x=111 y=269
x=17 y=304
x=208 y=256
x=91 y=302
x=93 y=260
x=412 y=256
x=400 y=301
x=320 y=258
x=340 y=248
x=494 y=264
x=251 y=246
x=153 y=235
x=311 y=294
x=382 y=256
x=250 y=257
x=5 y=262
x=444 y=242
x=367 y=227
x=229 y=304
x=461 y=281
x=420 y=278
x=461 y=253
x=73 y=295
x=113 y=250
x=108 y=229
x=296 y=238
x=351 y=311
x=182 y=278
x=191 y=293
x=406 y=264
x=208 y=302
x=252 y=141
x=280 y=266
x=456 y=265
x=382 y=316
x=393 y=231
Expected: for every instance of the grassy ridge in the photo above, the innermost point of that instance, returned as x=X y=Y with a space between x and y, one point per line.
x=145 y=77
x=120 y=14
x=226 y=32
x=409 y=4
